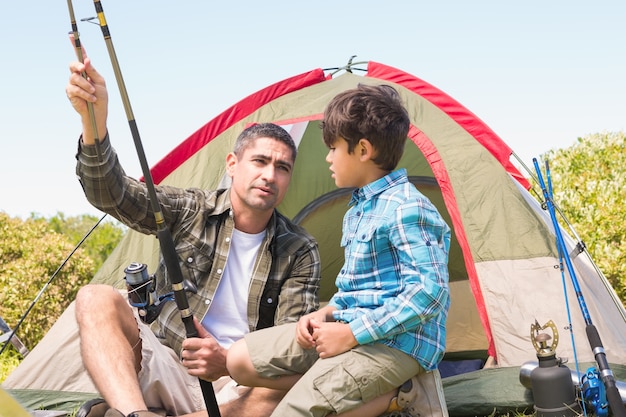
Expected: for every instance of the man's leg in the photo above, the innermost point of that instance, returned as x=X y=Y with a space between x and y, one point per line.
x=110 y=346
x=257 y=402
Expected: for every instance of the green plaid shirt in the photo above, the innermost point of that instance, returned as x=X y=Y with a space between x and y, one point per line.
x=286 y=276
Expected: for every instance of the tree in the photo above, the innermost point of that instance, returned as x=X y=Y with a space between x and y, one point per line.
x=589 y=181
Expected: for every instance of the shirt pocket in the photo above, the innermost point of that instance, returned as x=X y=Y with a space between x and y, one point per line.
x=195 y=266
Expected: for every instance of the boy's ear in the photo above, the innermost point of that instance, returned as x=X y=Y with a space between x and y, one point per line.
x=365 y=149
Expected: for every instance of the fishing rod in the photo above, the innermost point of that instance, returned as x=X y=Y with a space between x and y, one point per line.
x=164 y=235
x=580 y=246
x=32 y=304
x=612 y=392
x=79 y=53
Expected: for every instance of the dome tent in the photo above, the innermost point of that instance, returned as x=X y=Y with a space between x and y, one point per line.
x=503 y=252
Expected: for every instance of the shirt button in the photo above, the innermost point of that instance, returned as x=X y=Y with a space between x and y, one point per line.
x=219 y=271
x=190 y=259
x=270 y=301
x=207 y=301
x=227 y=240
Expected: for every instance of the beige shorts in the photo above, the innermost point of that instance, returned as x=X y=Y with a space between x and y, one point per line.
x=166 y=384
x=337 y=384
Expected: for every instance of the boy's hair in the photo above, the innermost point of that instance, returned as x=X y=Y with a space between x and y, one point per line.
x=264 y=130
x=372 y=112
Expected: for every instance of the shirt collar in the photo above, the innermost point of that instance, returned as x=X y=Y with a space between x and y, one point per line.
x=223 y=205
x=376 y=187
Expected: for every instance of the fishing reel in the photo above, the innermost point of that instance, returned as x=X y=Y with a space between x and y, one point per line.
x=142 y=295
x=594 y=393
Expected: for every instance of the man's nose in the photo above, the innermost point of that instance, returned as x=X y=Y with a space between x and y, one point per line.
x=269 y=171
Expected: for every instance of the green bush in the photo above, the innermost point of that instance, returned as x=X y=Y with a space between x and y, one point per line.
x=30 y=253
x=589 y=181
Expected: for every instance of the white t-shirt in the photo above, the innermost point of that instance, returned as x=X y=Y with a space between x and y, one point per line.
x=227 y=318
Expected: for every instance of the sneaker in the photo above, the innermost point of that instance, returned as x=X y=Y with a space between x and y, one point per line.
x=420 y=396
x=93 y=408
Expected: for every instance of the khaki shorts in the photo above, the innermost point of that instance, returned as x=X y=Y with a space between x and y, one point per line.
x=331 y=385
x=166 y=384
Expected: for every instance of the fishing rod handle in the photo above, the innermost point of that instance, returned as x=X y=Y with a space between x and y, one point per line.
x=612 y=392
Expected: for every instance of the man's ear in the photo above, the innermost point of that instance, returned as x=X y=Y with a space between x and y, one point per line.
x=231 y=161
x=365 y=149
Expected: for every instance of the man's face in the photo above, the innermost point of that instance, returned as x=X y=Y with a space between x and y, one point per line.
x=260 y=175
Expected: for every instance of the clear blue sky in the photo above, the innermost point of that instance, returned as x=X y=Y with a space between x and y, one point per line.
x=540 y=73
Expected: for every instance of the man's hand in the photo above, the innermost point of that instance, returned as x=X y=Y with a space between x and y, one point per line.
x=203 y=356
x=86 y=85
x=333 y=338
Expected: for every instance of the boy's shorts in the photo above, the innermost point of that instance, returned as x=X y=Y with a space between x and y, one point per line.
x=335 y=384
x=166 y=384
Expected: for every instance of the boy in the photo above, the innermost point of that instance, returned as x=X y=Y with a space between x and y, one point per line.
x=386 y=323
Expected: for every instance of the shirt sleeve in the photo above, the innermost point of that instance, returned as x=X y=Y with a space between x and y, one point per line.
x=299 y=293
x=108 y=188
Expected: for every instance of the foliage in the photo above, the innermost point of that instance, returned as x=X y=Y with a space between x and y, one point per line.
x=589 y=187
x=100 y=242
x=10 y=360
x=31 y=252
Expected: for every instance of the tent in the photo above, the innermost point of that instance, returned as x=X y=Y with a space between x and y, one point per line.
x=503 y=258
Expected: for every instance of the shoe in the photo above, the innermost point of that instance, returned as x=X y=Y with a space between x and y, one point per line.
x=93 y=408
x=420 y=396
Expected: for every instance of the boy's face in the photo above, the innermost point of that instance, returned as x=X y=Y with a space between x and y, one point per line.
x=260 y=175
x=346 y=167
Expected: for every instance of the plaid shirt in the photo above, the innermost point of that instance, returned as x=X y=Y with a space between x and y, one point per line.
x=393 y=286
x=286 y=276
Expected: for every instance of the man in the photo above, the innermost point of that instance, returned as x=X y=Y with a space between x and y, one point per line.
x=248 y=267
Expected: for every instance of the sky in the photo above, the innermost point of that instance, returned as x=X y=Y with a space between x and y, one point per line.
x=540 y=73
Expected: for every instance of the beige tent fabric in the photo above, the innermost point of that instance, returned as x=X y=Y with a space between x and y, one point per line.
x=54 y=364
x=537 y=293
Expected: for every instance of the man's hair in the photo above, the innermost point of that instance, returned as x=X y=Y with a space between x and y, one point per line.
x=372 y=112
x=264 y=130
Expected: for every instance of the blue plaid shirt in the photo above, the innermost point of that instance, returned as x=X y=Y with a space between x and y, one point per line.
x=393 y=286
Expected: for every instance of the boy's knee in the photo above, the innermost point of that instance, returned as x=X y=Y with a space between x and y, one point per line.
x=239 y=364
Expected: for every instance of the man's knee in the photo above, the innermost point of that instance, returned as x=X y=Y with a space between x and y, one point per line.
x=98 y=299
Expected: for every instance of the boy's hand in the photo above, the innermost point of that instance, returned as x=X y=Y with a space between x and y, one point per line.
x=304 y=330
x=332 y=338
